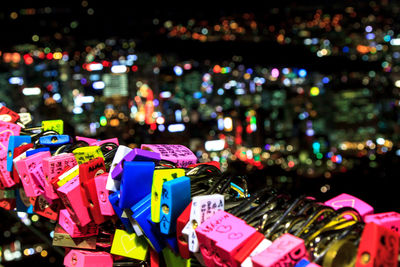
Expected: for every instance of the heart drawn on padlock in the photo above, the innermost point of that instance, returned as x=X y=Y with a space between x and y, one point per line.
x=344 y=203
x=126 y=240
x=223 y=228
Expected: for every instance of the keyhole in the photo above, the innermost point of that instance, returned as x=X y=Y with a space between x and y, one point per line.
x=165 y=209
x=365 y=258
x=54 y=139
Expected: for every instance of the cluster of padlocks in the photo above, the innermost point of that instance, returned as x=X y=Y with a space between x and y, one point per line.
x=156 y=205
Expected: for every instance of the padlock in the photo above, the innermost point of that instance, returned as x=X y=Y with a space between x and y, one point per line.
x=379 y=246
x=17 y=152
x=134 y=155
x=31 y=152
x=172 y=260
x=181 y=222
x=91 y=193
x=306 y=263
x=136 y=182
x=203 y=207
x=105 y=206
x=30 y=170
x=25 y=118
x=88 y=140
x=129 y=245
x=91 y=169
x=390 y=220
x=254 y=245
x=52 y=167
x=13 y=143
x=114 y=199
x=221 y=237
x=53 y=125
x=65 y=176
x=55 y=140
x=174 y=199
x=113 y=184
x=87 y=153
x=178 y=154
x=160 y=176
x=42 y=207
x=101 y=142
x=22 y=201
x=287 y=250
x=84 y=258
x=75 y=231
x=141 y=215
x=5 y=177
x=7 y=199
x=8 y=115
x=6 y=130
x=346 y=200
x=71 y=196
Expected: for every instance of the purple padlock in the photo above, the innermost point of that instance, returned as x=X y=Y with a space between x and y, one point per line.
x=135 y=154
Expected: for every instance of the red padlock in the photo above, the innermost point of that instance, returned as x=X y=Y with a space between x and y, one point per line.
x=181 y=222
x=379 y=246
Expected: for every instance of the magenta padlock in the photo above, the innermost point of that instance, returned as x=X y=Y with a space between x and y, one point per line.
x=287 y=250
x=346 y=200
x=30 y=171
x=66 y=222
x=5 y=178
x=6 y=130
x=84 y=258
x=112 y=140
x=178 y=154
x=71 y=196
x=88 y=140
x=102 y=194
x=52 y=167
x=221 y=237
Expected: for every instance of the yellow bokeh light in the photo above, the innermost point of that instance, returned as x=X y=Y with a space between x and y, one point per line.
x=314 y=91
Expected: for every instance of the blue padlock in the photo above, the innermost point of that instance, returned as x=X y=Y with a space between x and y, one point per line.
x=141 y=214
x=174 y=199
x=137 y=178
x=13 y=142
x=22 y=201
x=54 y=140
x=302 y=263
x=114 y=199
x=171 y=242
x=37 y=150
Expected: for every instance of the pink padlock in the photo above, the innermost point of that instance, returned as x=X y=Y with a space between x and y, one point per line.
x=111 y=140
x=5 y=177
x=221 y=237
x=102 y=195
x=71 y=196
x=6 y=130
x=88 y=140
x=389 y=220
x=287 y=250
x=52 y=167
x=30 y=171
x=346 y=200
x=178 y=154
x=84 y=258
x=66 y=222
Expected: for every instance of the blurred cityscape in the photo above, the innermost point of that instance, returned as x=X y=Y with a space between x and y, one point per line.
x=301 y=97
